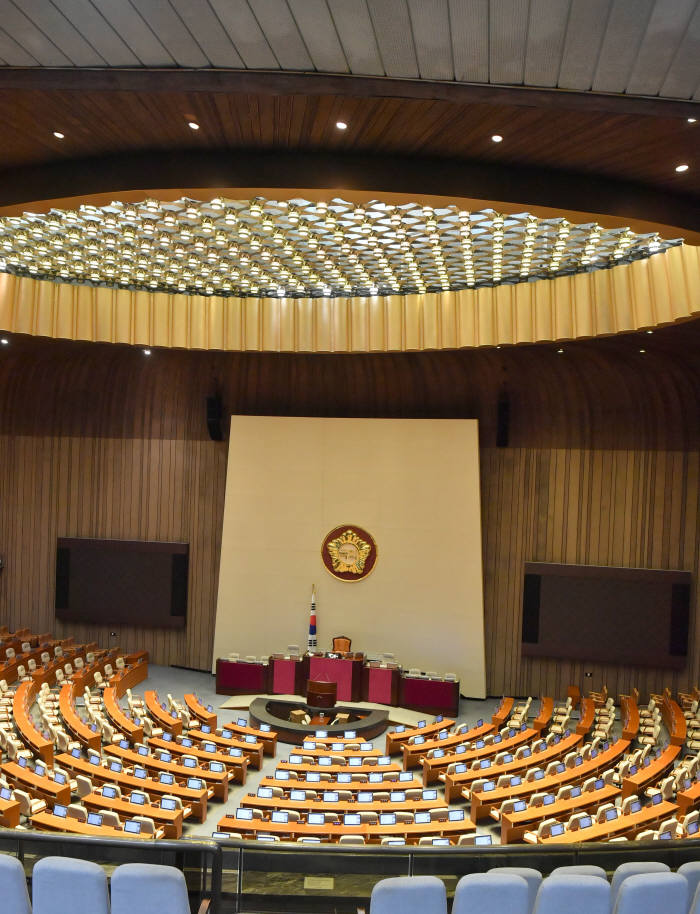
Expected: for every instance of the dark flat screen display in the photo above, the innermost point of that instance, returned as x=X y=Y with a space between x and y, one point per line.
x=635 y=616
x=122 y=582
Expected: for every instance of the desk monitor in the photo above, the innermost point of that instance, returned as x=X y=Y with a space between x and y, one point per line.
x=418 y=740
x=479 y=744
x=511 y=733
x=109 y=792
x=355 y=761
x=594 y=753
x=321 y=734
x=94 y=818
x=480 y=840
x=421 y=818
x=338 y=747
x=242 y=813
x=138 y=798
x=209 y=747
x=265 y=728
x=365 y=796
x=205 y=728
x=405 y=775
x=235 y=753
x=548 y=799
x=375 y=777
x=137 y=721
x=296 y=795
x=393 y=842
x=519 y=806
x=265 y=793
x=227 y=734
x=164 y=756
x=575 y=791
x=397 y=796
x=455 y=815
x=599 y=784
x=242 y=722
x=60 y=810
x=460 y=749
x=352 y=734
x=220 y=834
x=438 y=753
x=498 y=738
x=189 y=762
x=636 y=806
x=313 y=777
x=692 y=828
x=460 y=768
x=330 y=796
x=430 y=794
x=352 y=818
x=646 y=761
x=186 y=742
x=59 y=777
x=143 y=750
x=516 y=780
x=439 y=719
x=210 y=708
x=266 y=839
x=480 y=722
x=132 y=828
x=195 y=783
x=657 y=798
x=93 y=727
x=442 y=734
x=585 y=822
x=665 y=835
x=556 y=829
x=488 y=785
x=384 y=760
x=611 y=814
x=485 y=763
x=687 y=783
x=296 y=759
x=441 y=842
x=308 y=744
x=507 y=759
x=115 y=766
x=539 y=774
x=166 y=778
x=250 y=738
x=420 y=724
x=316 y=818
x=387 y=818
x=39 y=770
x=345 y=777
x=399 y=729
x=75 y=752
x=123 y=743
x=5 y=793
x=561 y=768
x=526 y=753
x=217 y=767
x=578 y=761
x=22 y=761
x=281 y=817
x=281 y=774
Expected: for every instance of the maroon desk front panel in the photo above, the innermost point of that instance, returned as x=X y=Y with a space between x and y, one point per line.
x=433 y=696
x=234 y=677
x=289 y=677
x=347 y=674
x=381 y=685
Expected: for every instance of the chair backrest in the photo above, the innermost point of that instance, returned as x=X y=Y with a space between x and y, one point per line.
x=580 y=869
x=141 y=888
x=531 y=876
x=62 y=885
x=409 y=895
x=342 y=643
x=634 y=868
x=490 y=893
x=691 y=872
x=649 y=893
x=575 y=894
x=13 y=886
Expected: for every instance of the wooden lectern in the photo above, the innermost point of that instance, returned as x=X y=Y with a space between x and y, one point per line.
x=321 y=694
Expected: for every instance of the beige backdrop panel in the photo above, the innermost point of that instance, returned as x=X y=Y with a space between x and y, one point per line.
x=412 y=483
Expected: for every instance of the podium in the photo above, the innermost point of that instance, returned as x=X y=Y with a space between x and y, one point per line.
x=321 y=694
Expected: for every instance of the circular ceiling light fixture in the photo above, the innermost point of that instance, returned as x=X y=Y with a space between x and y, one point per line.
x=683 y=167
x=497 y=138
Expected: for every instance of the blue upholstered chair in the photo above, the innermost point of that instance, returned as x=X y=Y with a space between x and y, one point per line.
x=407 y=895
x=574 y=894
x=61 y=885
x=691 y=871
x=532 y=877
x=650 y=893
x=145 y=888
x=580 y=869
x=13 y=887
x=625 y=870
x=491 y=894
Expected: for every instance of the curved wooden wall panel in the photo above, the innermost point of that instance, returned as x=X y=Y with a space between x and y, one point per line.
x=660 y=290
x=602 y=467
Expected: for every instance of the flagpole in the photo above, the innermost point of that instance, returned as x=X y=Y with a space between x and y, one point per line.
x=312 y=621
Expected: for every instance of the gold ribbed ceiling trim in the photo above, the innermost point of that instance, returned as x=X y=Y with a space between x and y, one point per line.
x=646 y=293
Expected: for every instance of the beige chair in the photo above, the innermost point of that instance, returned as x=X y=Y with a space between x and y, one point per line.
x=110 y=818
x=28 y=806
x=76 y=811
x=351 y=839
x=543 y=830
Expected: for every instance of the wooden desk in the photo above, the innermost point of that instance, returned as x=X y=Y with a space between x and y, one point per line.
x=623 y=825
x=587 y=715
x=340 y=753
x=394 y=740
x=456 y=783
x=630 y=717
x=9 y=813
x=342 y=806
x=482 y=803
x=170 y=820
x=22 y=701
x=502 y=712
x=237 y=767
x=217 y=780
x=687 y=799
x=46 y=821
x=268 y=738
x=415 y=753
x=252 y=751
x=353 y=786
x=435 y=769
x=651 y=773
x=515 y=824
x=197 y=710
x=675 y=721
x=35 y=785
x=77 y=727
x=162 y=718
x=335 y=769
x=123 y=723
x=513 y=742
x=545 y=714
x=131 y=675
x=98 y=774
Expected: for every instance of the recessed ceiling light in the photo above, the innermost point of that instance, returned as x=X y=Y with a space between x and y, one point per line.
x=5 y=342
x=193 y=125
x=497 y=138
x=692 y=120
x=560 y=351
x=642 y=350
x=650 y=331
x=59 y=135
x=681 y=167
x=146 y=351
x=341 y=125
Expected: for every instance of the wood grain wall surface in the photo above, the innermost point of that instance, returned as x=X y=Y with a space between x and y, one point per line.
x=602 y=467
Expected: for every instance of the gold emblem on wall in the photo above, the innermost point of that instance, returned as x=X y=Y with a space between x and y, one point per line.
x=349 y=553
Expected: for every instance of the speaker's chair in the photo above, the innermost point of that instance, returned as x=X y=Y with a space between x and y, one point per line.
x=341 y=644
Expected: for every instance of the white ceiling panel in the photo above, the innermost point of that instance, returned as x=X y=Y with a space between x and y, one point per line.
x=278 y=24
x=508 y=23
x=135 y=31
x=14 y=54
x=469 y=20
x=392 y=26
x=63 y=34
x=31 y=38
x=545 y=41
x=584 y=37
x=245 y=33
x=623 y=38
x=98 y=32
x=665 y=31
x=314 y=21
x=205 y=27
x=683 y=77
x=356 y=34
x=430 y=21
x=172 y=32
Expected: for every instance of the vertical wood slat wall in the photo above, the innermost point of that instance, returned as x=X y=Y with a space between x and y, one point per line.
x=603 y=467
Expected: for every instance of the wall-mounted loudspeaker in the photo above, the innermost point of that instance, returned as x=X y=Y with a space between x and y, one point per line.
x=214 y=416
x=502 y=420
